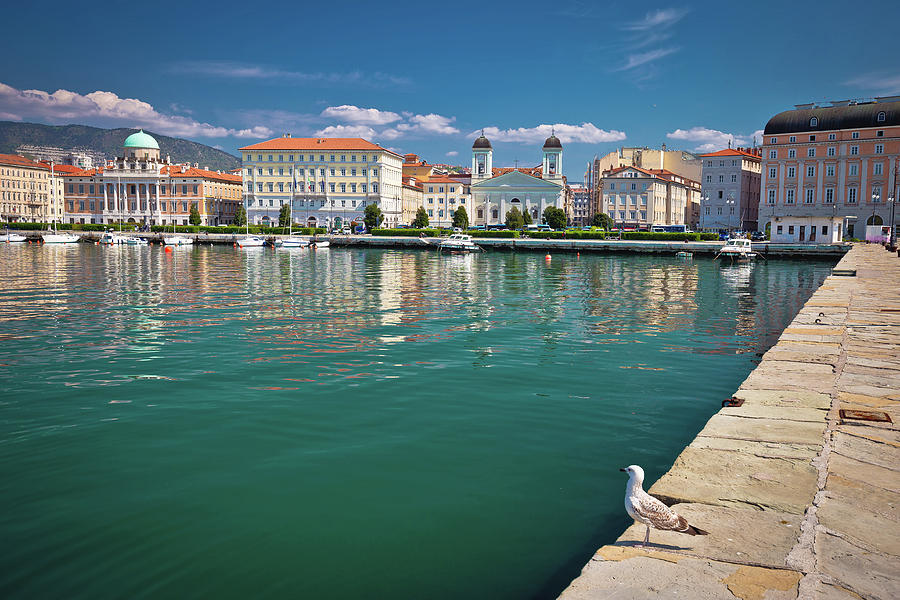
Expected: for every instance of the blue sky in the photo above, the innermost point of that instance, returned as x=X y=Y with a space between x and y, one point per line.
x=425 y=77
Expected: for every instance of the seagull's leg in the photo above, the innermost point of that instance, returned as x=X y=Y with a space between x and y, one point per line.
x=647 y=535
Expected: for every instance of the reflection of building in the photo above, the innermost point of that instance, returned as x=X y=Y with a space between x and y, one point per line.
x=637 y=198
x=24 y=189
x=493 y=195
x=329 y=180
x=730 y=198
x=832 y=160
x=138 y=187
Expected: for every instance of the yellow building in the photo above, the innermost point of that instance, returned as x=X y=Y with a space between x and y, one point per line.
x=329 y=181
x=412 y=199
x=24 y=189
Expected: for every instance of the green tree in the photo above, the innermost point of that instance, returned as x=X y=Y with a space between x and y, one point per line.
x=195 y=214
x=284 y=216
x=461 y=218
x=603 y=220
x=555 y=217
x=372 y=216
x=526 y=217
x=240 y=216
x=514 y=219
x=421 y=219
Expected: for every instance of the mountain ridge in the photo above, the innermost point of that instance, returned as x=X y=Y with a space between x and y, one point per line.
x=109 y=141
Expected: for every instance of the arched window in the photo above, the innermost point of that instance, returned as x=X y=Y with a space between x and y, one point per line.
x=814 y=122
x=881 y=117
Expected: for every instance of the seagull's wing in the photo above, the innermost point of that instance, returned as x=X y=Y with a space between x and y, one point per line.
x=658 y=514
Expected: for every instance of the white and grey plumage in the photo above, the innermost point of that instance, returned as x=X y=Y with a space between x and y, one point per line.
x=644 y=508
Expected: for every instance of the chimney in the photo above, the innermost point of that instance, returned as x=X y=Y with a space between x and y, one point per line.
x=287 y=135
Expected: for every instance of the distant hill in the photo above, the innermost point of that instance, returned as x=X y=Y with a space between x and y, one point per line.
x=109 y=141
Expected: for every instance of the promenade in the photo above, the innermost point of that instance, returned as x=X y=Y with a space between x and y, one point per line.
x=799 y=490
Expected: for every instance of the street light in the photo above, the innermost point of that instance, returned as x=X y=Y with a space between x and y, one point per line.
x=730 y=204
x=875 y=199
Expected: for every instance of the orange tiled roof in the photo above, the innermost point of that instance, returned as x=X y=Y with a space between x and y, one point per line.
x=439 y=179
x=21 y=161
x=315 y=144
x=620 y=169
x=175 y=171
x=733 y=152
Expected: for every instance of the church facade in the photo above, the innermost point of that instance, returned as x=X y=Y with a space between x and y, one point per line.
x=494 y=192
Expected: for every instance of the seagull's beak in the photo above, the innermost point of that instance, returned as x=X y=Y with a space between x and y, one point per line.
x=624 y=470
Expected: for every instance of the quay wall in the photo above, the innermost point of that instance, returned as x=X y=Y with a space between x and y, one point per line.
x=799 y=490
x=527 y=245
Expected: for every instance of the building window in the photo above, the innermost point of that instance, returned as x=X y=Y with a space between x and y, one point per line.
x=343 y=188
x=780 y=229
x=876 y=194
x=721 y=179
x=831 y=151
x=881 y=117
x=810 y=152
x=773 y=172
x=814 y=122
x=851 y=195
x=374 y=188
x=733 y=178
x=720 y=194
x=879 y=133
x=790 y=230
x=810 y=195
x=879 y=148
x=855 y=135
x=792 y=153
x=773 y=141
x=343 y=172
x=854 y=150
x=792 y=139
x=352 y=188
x=771 y=196
x=829 y=170
x=810 y=171
x=331 y=187
x=791 y=172
x=271 y=187
x=877 y=168
x=789 y=197
x=829 y=195
x=854 y=169
x=280 y=187
x=331 y=158
x=773 y=153
x=362 y=187
x=709 y=179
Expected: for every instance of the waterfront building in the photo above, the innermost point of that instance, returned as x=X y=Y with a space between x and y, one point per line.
x=680 y=162
x=442 y=197
x=140 y=188
x=415 y=167
x=493 y=194
x=730 y=189
x=412 y=198
x=637 y=198
x=579 y=212
x=330 y=181
x=839 y=159
x=25 y=189
x=807 y=230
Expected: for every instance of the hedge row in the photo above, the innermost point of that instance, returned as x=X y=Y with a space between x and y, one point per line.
x=569 y=235
x=68 y=226
x=234 y=229
x=496 y=233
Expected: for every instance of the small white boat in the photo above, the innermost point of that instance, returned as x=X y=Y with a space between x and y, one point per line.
x=292 y=242
x=110 y=239
x=459 y=242
x=319 y=244
x=134 y=241
x=737 y=249
x=250 y=241
x=59 y=238
x=178 y=240
x=10 y=238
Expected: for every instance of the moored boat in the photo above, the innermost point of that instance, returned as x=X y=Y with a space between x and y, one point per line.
x=458 y=242
x=10 y=238
x=178 y=240
x=737 y=249
x=58 y=238
x=292 y=242
x=250 y=241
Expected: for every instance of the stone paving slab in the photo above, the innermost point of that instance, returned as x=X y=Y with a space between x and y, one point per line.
x=864 y=472
x=865 y=450
x=866 y=514
x=799 y=399
x=803 y=452
x=617 y=573
x=743 y=536
x=764 y=430
x=750 y=410
x=738 y=479
x=868 y=574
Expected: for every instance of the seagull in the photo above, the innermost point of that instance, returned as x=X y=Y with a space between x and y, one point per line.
x=644 y=508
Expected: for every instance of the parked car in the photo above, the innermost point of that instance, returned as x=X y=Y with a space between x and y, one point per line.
x=723 y=236
x=757 y=236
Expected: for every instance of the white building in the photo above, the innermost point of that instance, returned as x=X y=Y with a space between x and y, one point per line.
x=637 y=198
x=580 y=209
x=330 y=181
x=731 y=187
x=807 y=230
x=442 y=196
x=494 y=195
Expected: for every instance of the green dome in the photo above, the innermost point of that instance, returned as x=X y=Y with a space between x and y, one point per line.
x=140 y=140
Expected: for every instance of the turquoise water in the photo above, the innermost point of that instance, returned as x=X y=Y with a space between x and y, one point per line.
x=350 y=423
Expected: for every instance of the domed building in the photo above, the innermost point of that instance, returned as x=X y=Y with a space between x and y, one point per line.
x=495 y=191
x=141 y=189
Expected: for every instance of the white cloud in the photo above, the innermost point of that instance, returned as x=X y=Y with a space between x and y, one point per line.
x=453 y=153
x=642 y=58
x=107 y=108
x=432 y=123
x=665 y=17
x=586 y=133
x=354 y=114
x=710 y=140
x=239 y=70
x=879 y=83
x=363 y=131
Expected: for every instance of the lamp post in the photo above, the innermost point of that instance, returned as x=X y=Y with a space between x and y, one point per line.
x=892 y=239
x=730 y=204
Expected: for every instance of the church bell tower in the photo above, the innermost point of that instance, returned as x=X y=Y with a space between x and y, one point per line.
x=482 y=159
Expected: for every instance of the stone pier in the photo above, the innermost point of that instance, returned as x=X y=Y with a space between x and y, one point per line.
x=798 y=487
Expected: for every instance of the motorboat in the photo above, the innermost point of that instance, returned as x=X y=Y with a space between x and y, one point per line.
x=292 y=242
x=737 y=249
x=459 y=242
x=319 y=244
x=178 y=240
x=59 y=238
x=134 y=241
x=110 y=239
x=10 y=238
x=250 y=241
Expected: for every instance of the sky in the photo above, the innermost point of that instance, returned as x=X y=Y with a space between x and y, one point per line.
x=428 y=77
